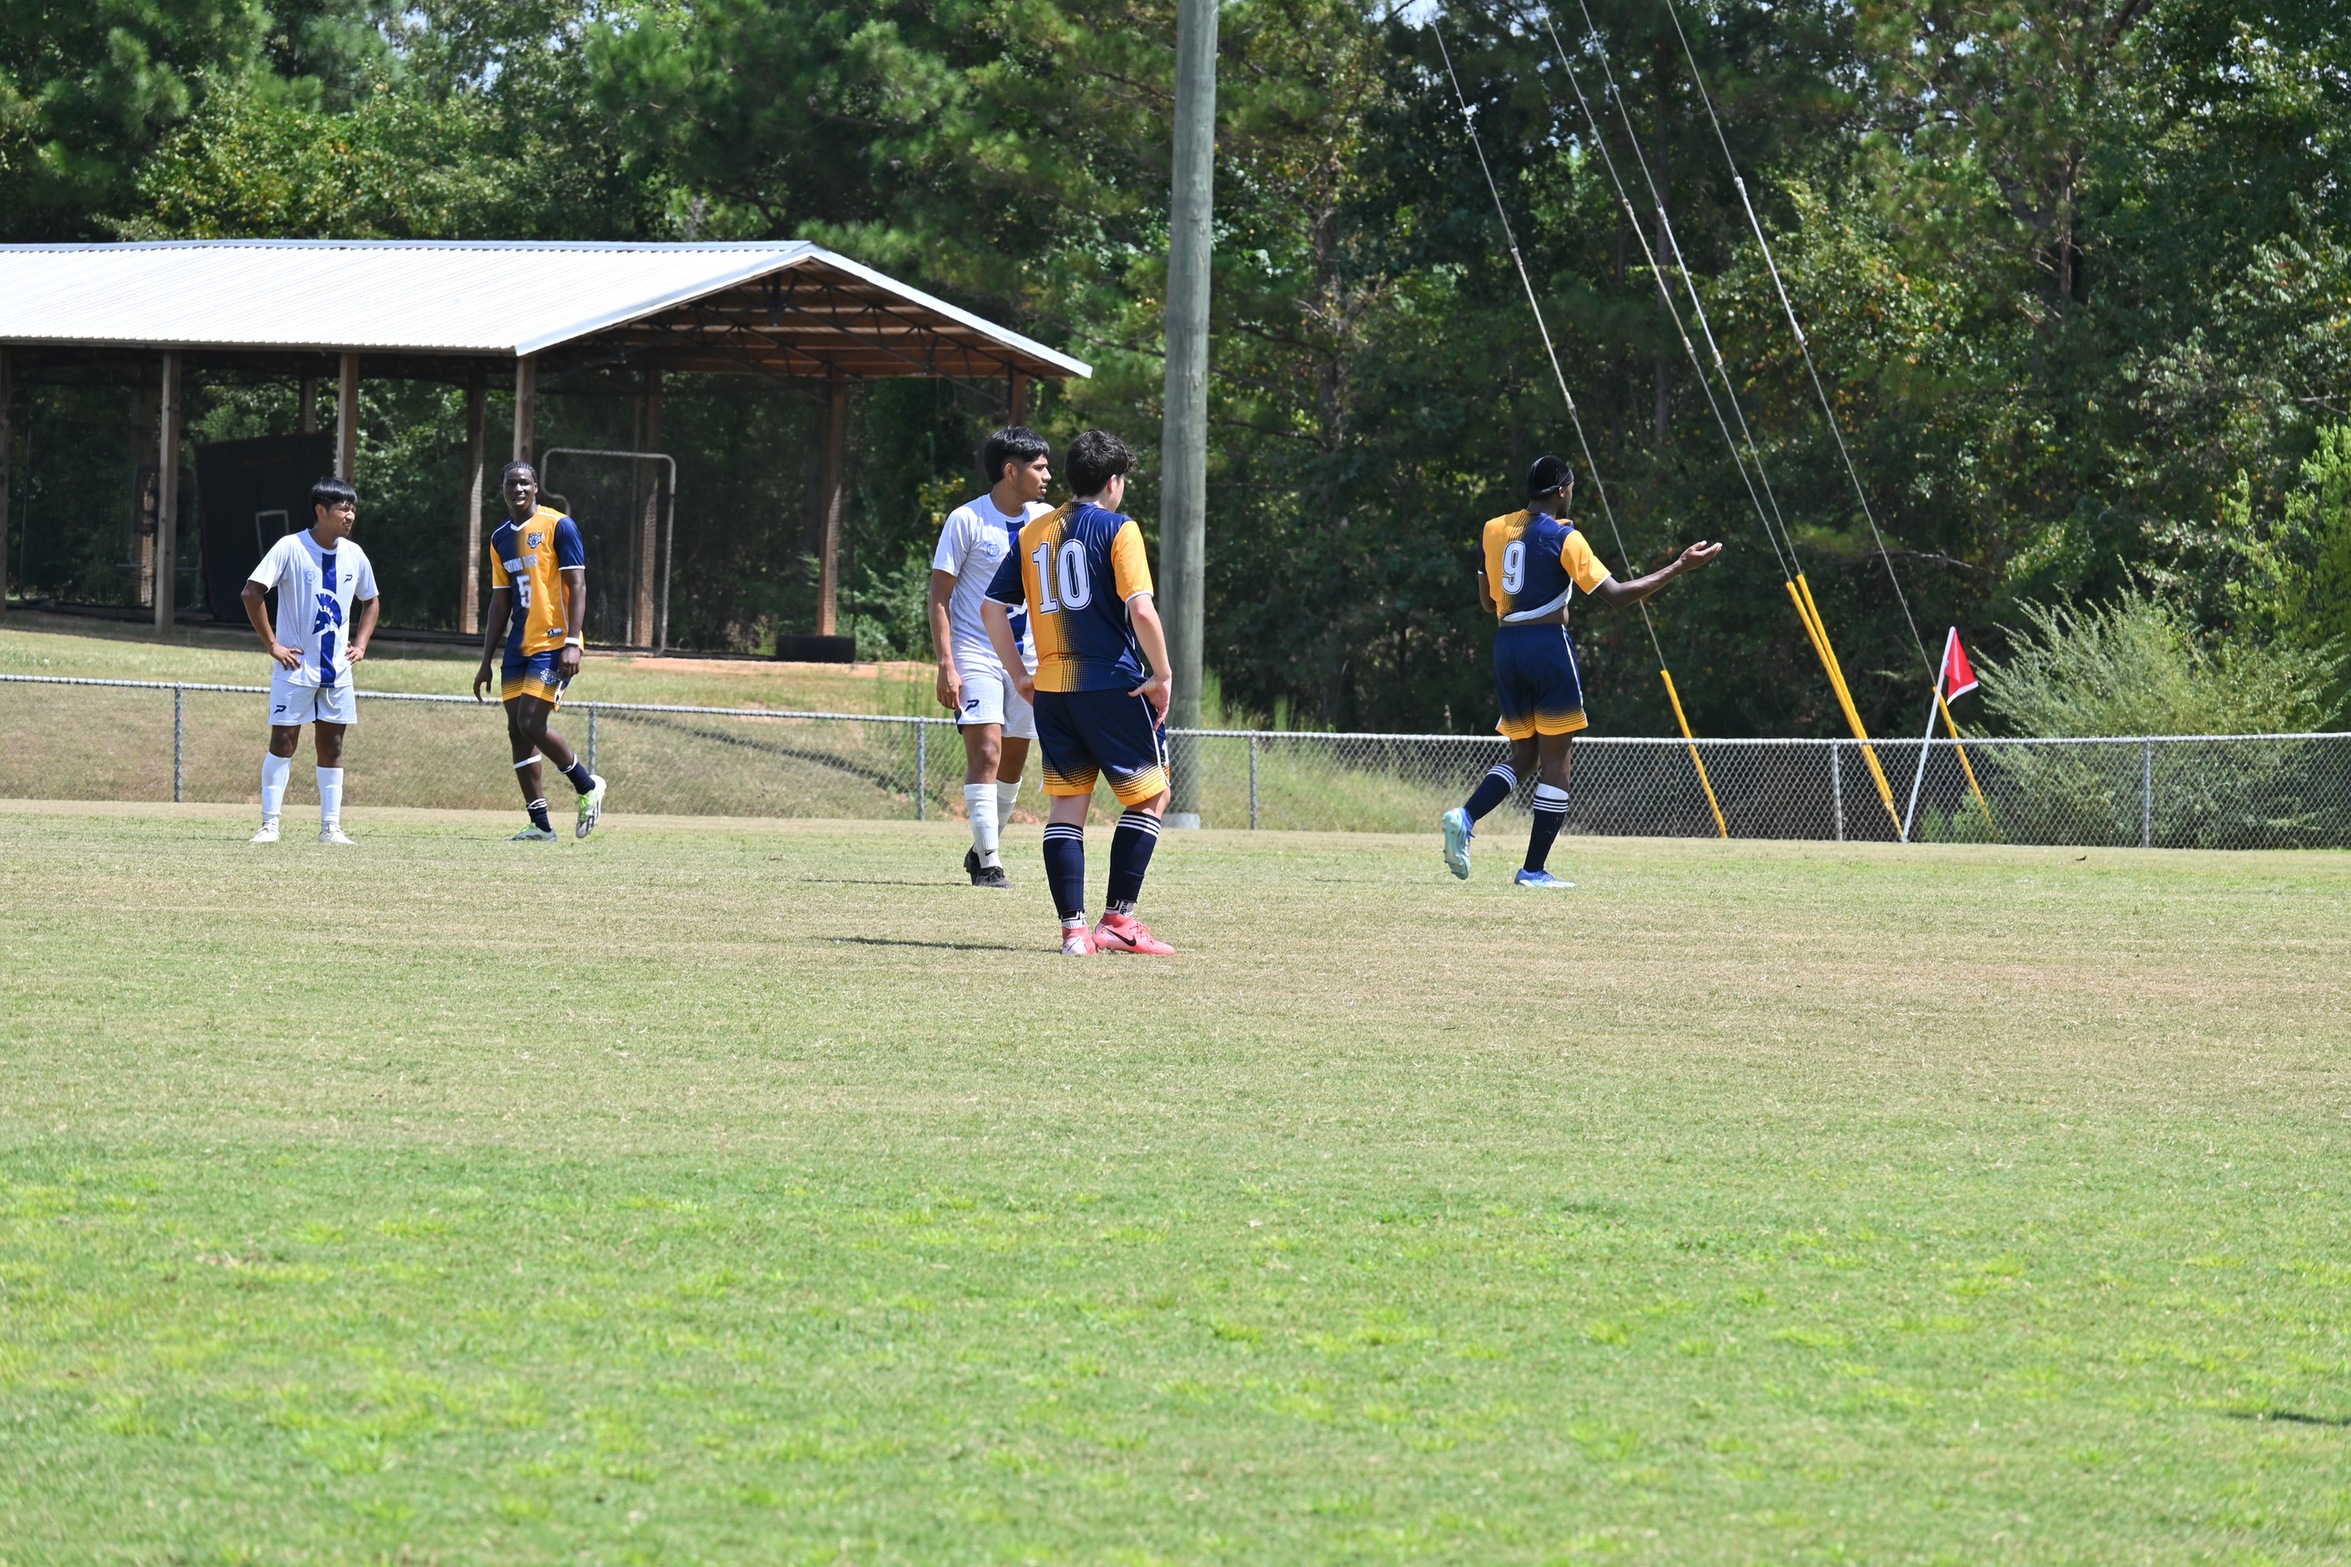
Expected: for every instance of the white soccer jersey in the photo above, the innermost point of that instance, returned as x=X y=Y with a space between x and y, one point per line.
x=972 y=545
x=313 y=611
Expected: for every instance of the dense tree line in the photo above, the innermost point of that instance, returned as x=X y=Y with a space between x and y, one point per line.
x=2077 y=274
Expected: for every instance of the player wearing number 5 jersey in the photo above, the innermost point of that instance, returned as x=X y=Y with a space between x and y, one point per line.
x=1532 y=563
x=1100 y=690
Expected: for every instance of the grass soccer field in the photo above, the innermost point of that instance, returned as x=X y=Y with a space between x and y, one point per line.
x=754 y=1192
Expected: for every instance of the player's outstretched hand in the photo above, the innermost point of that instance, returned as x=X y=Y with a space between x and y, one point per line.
x=287 y=658
x=1157 y=691
x=1699 y=554
x=950 y=688
x=481 y=682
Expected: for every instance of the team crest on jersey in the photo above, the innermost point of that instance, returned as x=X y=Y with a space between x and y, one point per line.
x=533 y=541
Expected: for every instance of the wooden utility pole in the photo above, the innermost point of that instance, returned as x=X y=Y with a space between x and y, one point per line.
x=1183 y=496
x=526 y=411
x=7 y=392
x=648 y=487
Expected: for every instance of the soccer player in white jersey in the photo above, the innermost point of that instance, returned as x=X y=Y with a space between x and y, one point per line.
x=996 y=720
x=327 y=608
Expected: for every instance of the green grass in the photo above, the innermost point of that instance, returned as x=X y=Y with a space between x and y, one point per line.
x=38 y=644
x=751 y=1192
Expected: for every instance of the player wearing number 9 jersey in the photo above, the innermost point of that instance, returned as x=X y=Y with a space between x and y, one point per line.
x=1101 y=686
x=1531 y=565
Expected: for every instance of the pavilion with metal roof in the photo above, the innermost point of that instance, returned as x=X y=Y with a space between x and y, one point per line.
x=471 y=313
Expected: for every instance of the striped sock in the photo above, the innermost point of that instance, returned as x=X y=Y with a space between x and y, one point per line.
x=1065 y=870
x=1130 y=857
x=538 y=810
x=1550 y=816
x=1491 y=791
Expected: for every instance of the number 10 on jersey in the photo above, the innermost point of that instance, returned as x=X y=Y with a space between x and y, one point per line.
x=1076 y=586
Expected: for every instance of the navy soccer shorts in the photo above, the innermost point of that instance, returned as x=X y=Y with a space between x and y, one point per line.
x=1085 y=734
x=1535 y=677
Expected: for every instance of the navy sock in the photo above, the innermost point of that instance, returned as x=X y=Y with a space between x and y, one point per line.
x=538 y=810
x=581 y=778
x=1550 y=816
x=1065 y=869
x=1491 y=791
x=1130 y=857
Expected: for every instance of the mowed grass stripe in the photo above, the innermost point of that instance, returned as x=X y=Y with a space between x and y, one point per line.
x=756 y=1192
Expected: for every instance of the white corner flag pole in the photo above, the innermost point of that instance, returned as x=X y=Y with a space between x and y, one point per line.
x=1925 y=744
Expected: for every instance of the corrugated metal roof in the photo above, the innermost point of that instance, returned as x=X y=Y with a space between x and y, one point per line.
x=401 y=296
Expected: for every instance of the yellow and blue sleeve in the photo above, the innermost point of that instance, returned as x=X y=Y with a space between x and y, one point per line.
x=1129 y=568
x=1583 y=567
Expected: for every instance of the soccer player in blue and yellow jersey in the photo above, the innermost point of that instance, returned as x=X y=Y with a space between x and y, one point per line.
x=1101 y=687
x=538 y=600
x=1533 y=562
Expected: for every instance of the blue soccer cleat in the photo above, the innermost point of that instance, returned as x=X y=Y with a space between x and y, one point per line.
x=1458 y=832
x=1527 y=878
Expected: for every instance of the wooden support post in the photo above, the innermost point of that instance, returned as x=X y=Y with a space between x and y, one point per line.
x=836 y=450
x=347 y=419
x=1020 y=398
x=167 y=498
x=309 y=405
x=649 y=476
x=1183 y=445
x=526 y=411
x=7 y=437
x=469 y=579
x=144 y=417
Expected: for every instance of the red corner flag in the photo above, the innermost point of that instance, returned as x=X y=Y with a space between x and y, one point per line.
x=1958 y=675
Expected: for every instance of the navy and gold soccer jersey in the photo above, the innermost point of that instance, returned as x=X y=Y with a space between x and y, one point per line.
x=1534 y=562
x=1076 y=568
x=530 y=558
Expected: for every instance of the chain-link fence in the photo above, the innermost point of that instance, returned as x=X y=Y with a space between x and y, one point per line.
x=127 y=740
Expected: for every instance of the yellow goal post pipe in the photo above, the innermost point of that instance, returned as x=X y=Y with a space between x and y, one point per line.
x=1801 y=592
x=1691 y=740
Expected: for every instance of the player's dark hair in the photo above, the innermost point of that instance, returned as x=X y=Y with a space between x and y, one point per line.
x=332 y=492
x=514 y=467
x=1548 y=474
x=1014 y=443
x=1095 y=458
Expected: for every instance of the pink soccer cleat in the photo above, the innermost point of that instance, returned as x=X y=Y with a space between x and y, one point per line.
x=1125 y=933
x=1075 y=942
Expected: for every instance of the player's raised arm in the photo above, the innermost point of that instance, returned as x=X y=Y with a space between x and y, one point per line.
x=1614 y=593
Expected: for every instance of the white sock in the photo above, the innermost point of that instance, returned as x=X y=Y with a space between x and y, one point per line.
x=275 y=770
x=1006 y=793
x=979 y=803
x=330 y=796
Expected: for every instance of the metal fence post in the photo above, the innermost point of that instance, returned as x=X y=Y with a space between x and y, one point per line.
x=179 y=742
x=1837 y=783
x=1252 y=783
x=591 y=737
x=2146 y=794
x=922 y=766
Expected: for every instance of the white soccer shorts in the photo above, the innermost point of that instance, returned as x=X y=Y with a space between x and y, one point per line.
x=988 y=698
x=293 y=704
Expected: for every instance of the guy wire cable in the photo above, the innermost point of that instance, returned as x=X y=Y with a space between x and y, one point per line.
x=1799 y=588
x=1510 y=238
x=1803 y=344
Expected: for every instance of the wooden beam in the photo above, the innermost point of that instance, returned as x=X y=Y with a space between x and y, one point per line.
x=167 y=498
x=469 y=580
x=1020 y=398
x=7 y=391
x=309 y=405
x=836 y=452
x=649 y=476
x=347 y=419
x=526 y=411
x=143 y=426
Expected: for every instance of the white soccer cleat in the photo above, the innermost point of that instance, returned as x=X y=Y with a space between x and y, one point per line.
x=268 y=833
x=1458 y=832
x=332 y=832
x=591 y=808
x=536 y=834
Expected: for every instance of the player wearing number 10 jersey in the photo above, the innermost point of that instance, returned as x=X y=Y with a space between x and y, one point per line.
x=1100 y=690
x=1531 y=565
